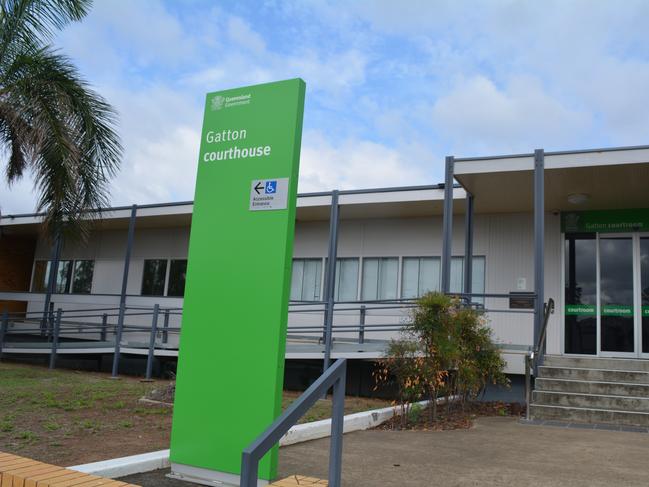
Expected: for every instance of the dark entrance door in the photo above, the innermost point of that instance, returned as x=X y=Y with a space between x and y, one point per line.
x=616 y=289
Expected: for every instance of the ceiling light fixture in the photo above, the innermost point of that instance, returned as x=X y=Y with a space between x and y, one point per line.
x=578 y=198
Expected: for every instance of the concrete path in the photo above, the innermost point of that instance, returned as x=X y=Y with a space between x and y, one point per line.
x=496 y=452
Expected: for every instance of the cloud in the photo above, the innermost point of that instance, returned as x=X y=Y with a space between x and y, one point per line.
x=242 y=35
x=390 y=86
x=352 y=164
x=480 y=117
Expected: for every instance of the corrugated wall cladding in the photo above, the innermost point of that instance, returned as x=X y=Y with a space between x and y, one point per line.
x=506 y=241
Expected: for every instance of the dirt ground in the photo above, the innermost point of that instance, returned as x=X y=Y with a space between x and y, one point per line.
x=69 y=418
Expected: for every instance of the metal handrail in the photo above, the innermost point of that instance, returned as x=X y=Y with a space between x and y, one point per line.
x=534 y=356
x=333 y=376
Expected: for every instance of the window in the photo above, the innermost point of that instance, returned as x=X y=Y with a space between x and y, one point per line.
x=71 y=276
x=41 y=276
x=82 y=276
x=346 y=288
x=177 y=273
x=380 y=278
x=63 y=275
x=153 y=277
x=419 y=276
x=305 y=279
x=580 y=294
x=477 y=276
x=423 y=274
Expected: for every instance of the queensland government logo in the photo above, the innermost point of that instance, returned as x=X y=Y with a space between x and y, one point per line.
x=218 y=102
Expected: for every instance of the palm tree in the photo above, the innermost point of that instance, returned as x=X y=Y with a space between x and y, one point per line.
x=52 y=125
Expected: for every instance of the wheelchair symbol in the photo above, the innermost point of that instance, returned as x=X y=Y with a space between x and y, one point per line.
x=271 y=187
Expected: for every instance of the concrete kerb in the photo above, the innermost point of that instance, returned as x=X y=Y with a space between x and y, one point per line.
x=120 y=467
x=147 y=462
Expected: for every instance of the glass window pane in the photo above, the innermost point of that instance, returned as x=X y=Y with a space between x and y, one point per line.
x=41 y=276
x=297 y=274
x=305 y=279
x=369 y=284
x=616 y=294
x=409 y=277
x=644 y=287
x=346 y=279
x=478 y=278
x=380 y=278
x=580 y=294
x=429 y=277
x=82 y=276
x=63 y=275
x=311 y=280
x=153 y=277
x=177 y=273
x=457 y=274
x=388 y=278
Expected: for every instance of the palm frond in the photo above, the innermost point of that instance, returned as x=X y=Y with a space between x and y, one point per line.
x=61 y=130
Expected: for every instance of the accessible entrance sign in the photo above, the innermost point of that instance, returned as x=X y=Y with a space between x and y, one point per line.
x=231 y=361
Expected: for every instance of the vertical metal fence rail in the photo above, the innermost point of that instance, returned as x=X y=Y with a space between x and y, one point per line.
x=337 y=423
x=330 y=279
x=104 y=327
x=361 y=329
x=50 y=322
x=122 y=298
x=55 y=338
x=152 y=337
x=165 y=327
x=4 y=326
x=118 y=340
x=534 y=357
x=333 y=376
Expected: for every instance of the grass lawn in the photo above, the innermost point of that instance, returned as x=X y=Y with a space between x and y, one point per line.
x=67 y=417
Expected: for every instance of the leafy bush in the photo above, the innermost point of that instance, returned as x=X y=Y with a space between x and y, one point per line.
x=445 y=350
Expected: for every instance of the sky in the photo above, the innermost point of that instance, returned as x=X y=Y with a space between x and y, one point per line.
x=392 y=87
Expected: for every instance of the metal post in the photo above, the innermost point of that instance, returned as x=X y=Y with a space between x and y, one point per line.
x=330 y=279
x=4 y=326
x=50 y=322
x=51 y=281
x=154 y=331
x=361 y=330
x=104 y=327
x=447 y=227
x=165 y=327
x=539 y=235
x=528 y=383
x=337 y=421
x=122 y=297
x=468 y=245
x=55 y=338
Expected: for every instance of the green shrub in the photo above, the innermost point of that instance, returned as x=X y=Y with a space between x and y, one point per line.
x=446 y=349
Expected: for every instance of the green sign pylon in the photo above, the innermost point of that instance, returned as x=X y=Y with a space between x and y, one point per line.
x=233 y=339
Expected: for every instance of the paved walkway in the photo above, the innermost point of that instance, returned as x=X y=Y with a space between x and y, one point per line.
x=496 y=452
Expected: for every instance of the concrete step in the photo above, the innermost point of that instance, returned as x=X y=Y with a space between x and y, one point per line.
x=589 y=415
x=591 y=401
x=597 y=375
x=592 y=387
x=596 y=363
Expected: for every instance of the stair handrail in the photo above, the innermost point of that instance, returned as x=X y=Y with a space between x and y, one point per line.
x=533 y=356
x=333 y=376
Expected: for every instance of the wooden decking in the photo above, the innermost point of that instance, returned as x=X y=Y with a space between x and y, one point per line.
x=300 y=480
x=18 y=471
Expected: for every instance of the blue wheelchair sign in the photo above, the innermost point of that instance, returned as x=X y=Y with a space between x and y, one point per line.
x=271 y=187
